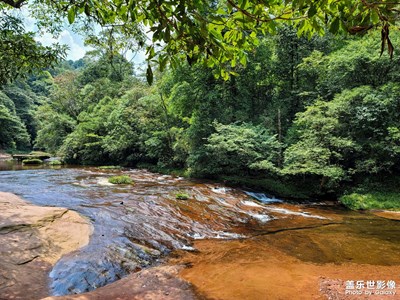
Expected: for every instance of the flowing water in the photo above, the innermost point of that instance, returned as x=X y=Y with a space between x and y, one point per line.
x=137 y=226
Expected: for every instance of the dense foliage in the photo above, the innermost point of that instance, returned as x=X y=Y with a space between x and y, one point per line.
x=20 y=54
x=305 y=117
x=217 y=33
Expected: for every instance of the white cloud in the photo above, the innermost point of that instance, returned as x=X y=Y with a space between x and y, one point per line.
x=75 y=44
x=76 y=47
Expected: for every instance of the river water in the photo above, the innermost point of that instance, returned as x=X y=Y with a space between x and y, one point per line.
x=139 y=225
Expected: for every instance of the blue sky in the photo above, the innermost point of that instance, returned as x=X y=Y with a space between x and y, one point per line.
x=75 y=43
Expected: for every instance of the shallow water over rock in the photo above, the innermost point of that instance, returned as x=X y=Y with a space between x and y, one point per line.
x=136 y=226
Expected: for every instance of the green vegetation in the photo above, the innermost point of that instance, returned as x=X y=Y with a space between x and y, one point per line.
x=110 y=167
x=300 y=124
x=372 y=200
x=55 y=163
x=122 y=179
x=32 y=161
x=20 y=54
x=218 y=34
x=40 y=153
x=374 y=193
x=238 y=93
x=182 y=195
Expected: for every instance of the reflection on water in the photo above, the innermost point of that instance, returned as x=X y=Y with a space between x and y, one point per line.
x=135 y=226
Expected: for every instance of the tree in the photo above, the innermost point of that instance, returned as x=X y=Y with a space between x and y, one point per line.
x=13 y=134
x=53 y=128
x=355 y=64
x=115 y=67
x=24 y=101
x=218 y=33
x=319 y=151
x=111 y=47
x=238 y=148
x=355 y=134
x=20 y=54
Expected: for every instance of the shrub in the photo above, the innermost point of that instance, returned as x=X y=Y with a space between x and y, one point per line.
x=55 y=163
x=372 y=200
x=32 y=161
x=182 y=196
x=40 y=153
x=122 y=179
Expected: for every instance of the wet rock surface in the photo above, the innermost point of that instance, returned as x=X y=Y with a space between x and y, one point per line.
x=392 y=215
x=32 y=239
x=154 y=283
x=137 y=227
x=254 y=269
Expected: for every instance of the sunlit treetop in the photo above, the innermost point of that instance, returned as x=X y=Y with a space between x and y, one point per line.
x=217 y=33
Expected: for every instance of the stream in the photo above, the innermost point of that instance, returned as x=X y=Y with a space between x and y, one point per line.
x=138 y=226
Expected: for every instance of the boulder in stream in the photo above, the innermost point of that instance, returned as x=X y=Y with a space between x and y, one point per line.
x=32 y=239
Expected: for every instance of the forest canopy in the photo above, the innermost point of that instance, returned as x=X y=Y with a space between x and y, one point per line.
x=308 y=112
x=219 y=34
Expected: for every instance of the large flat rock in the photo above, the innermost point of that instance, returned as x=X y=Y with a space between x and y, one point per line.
x=392 y=215
x=153 y=283
x=32 y=239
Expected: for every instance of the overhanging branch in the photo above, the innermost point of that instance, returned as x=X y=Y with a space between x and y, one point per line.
x=16 y=4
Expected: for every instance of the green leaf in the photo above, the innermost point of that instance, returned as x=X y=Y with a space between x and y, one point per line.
x=243 y=60
x=374 y=17
x=312 y=11
x=149 y=75
x=71 y=15
x=334 y=26
x=224 y=74
x=87 y=10
x=233 y=63
x=244 y=4
x=163 y=63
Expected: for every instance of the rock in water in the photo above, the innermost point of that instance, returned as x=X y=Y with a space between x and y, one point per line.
x=154 y=283
x=32 y=239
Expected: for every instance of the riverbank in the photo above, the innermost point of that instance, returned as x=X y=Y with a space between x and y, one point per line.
x=32 y=239
x=219 y=243
x=371 y=200
x=5 y=156
x=382 y=195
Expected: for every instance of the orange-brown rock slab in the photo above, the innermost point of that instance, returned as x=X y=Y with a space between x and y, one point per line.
x=393 y=215
x=32 y=239
x=153 y=283
x=251 y=269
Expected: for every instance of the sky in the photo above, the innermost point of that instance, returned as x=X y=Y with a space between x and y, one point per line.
x=76 y=46
x=75 y=43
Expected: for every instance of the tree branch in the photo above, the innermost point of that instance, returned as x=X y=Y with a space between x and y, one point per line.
x=15 y=4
